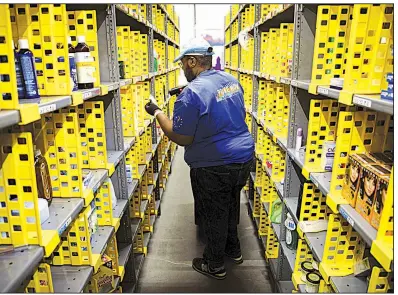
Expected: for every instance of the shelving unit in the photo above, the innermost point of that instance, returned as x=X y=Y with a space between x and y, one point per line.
x=39 y=261
x=287 y=100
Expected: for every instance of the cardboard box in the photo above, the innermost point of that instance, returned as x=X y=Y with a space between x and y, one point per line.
x=352 y=178
x=369 y=182
x=378 y=206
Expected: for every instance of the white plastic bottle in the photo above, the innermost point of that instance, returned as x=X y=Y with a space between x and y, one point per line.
x=299 y=138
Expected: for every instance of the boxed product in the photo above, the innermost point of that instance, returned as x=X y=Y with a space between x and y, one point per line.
x=327 y=156
x=352 y=178
x=378 y=206
x=102 y=281
x=369 y=182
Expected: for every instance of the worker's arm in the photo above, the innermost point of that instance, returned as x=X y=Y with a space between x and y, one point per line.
x=167 y=125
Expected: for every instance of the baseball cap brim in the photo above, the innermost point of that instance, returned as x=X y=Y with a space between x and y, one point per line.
x=194 y=51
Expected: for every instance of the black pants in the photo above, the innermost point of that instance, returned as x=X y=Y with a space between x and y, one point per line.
x=216 y=192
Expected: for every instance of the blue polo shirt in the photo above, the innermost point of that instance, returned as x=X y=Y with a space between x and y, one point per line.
x=211 y=108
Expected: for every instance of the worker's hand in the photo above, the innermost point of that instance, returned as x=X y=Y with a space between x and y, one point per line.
x=150 y=108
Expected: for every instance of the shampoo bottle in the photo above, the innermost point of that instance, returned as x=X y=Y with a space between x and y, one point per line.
x=72 y=65
x=19 y=75
x=26 y=59
x=84 y=64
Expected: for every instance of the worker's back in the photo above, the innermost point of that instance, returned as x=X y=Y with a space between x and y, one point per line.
x=214 y=113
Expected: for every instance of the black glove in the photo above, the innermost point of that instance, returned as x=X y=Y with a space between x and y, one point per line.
x=150 y=108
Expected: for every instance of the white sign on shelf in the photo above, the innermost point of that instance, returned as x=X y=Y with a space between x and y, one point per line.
x=294 y=83
x=362 y=102
x=87 y=95
x=47 y=108
x=323 y=91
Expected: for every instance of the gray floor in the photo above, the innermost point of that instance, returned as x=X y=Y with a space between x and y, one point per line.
x=175 y=242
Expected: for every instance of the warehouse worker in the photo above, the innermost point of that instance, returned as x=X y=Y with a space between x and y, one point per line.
x=209 y=120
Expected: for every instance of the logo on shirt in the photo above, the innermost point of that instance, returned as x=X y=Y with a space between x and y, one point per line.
x=227 y=91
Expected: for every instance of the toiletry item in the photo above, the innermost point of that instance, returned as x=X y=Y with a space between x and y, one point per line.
x=307 y=267
x=276 y=211
x=87 y=177
x=72 y=65
x=390 y=78
x=43 y=179
x=84 y=64
x=27 y=62
x=313 y=280
x=351 y=182
x=291 y=233
x=299 y=138
x=327 y=156
x=122 y=73
x=19 y=74
x=368 y=187
x=378 y=202
x=387 y=94
x=129 y=173
x=44 y=211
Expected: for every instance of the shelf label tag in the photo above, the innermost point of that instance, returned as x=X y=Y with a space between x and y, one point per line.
x=65 y=225
x=47 y=109
x=294 y=83
x=346 y=216
x=323 y=91
x=362 y=102
x=87 y=95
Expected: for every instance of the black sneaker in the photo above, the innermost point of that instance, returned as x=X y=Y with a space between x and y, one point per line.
x=201 y=266
x=237 y=260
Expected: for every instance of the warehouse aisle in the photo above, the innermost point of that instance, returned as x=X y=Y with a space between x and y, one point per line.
x=167 y=268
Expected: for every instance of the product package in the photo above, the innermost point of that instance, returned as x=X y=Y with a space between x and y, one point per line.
x=102 y=281
x=93 y=220
x=369 y=182
x=327 y=156
x=352 y=178
x=43 y=179
x=276 y=211
x=378 y=206
x=129 y=173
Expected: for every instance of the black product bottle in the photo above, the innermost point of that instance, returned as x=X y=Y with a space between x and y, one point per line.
x=84 y=64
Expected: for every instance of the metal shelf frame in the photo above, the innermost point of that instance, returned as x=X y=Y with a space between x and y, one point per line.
x=304 y=17
x=22 y=262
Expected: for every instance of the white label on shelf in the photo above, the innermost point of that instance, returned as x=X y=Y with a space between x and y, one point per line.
x=323 y=91
x=362 y=102
x=87 y=95
x=294 y=83
x=65 y=225
x=346 y=216
x=47 y=109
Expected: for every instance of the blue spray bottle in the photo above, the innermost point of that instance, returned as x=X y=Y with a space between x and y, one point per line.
x=19 y=75
x=26 y=59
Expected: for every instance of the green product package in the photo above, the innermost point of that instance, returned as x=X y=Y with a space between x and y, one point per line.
x=276 y=211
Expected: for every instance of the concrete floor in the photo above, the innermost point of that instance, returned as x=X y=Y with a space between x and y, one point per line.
x=175 y=242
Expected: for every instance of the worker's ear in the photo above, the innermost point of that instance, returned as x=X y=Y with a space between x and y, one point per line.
x=192 y=62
